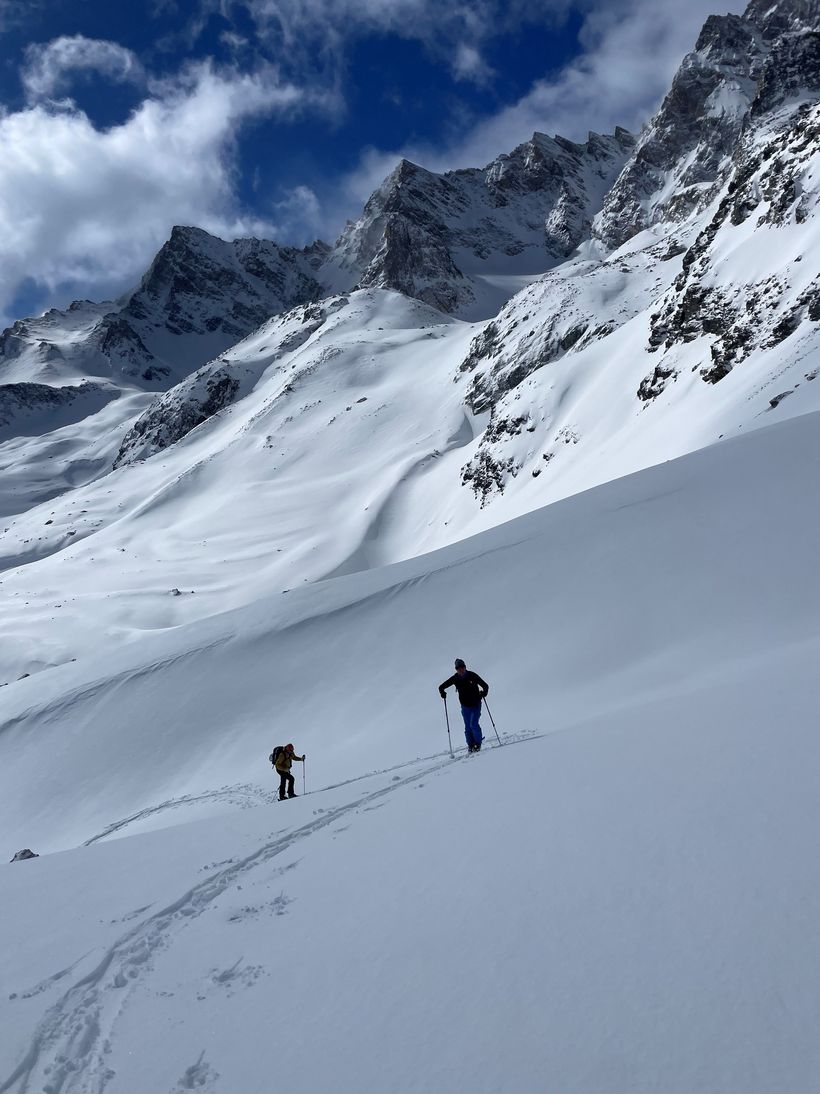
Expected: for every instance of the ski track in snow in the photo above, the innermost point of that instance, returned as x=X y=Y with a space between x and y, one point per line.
x=68 y=1051
x=243 y=796
x=249 y=796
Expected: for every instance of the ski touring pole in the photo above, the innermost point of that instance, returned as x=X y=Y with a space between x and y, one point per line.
x=491 y=719
x=304 y=780
x=447 y=716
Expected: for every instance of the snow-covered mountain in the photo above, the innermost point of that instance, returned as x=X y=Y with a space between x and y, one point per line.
x=92 y=365
x=272 y=493
x=741 y=70
x=365 y=427
x=715 y=277
x=199 y=296
x=465 y=240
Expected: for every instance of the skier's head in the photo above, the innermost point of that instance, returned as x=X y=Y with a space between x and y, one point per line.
x=460 y=666
x=288 y=748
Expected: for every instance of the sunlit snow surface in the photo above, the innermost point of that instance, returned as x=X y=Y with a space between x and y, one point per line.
x=619 y=898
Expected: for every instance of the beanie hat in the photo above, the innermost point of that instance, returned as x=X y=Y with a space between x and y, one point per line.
x=460 y=664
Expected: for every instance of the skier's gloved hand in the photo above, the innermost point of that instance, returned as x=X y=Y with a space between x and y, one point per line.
x=443 y=695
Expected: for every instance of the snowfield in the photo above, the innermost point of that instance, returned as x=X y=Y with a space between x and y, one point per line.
x=620 y=898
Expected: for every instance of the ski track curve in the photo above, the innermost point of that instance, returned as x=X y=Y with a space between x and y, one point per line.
x=67 y=1054
x=251 y=795
x=242 y=795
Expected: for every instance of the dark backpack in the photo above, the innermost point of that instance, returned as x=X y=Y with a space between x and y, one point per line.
x=274 y=756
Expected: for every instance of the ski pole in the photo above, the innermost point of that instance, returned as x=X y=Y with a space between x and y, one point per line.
x=304 y=781
x=447 y=716
x=491 y=719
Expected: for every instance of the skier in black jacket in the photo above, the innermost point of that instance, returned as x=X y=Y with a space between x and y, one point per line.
x=471 y=690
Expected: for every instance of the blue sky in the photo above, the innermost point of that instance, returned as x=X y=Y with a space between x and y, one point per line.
x=279 y=117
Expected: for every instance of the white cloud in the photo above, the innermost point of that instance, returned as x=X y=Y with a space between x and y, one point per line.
x=315 y=33
x=78 y=204
x=297 y=215
x=50 y=67
x=468 y=64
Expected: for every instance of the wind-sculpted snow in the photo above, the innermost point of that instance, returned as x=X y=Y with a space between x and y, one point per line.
x=336 y=409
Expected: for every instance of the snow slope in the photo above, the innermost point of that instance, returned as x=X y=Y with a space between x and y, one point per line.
x=288 y=484
x=620 y=898
x=340 y=437
x=580 y=592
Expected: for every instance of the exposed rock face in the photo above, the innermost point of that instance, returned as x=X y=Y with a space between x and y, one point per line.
x=678 y=160
x=791 y=69
x=26 y=853
x=741 y=68
x=728 y=176
x=566 y=311
x=430 y=235
x=777 y=17
x=766 y=184
x=200 y=286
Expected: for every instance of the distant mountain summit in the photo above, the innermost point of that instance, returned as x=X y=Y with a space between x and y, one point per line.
x=459 y=240
x=464 y=242
x=199 y=296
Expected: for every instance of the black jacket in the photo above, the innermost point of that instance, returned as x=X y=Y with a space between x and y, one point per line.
x=468 y=687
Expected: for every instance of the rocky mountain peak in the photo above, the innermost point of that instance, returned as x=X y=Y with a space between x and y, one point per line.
x=777 y=17
x=199 y=296
x=741 y=66
x=438 y=237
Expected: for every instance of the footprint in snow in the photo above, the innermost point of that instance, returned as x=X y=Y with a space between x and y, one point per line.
x=277 y=906
x=199 y=1076
x=237 y=976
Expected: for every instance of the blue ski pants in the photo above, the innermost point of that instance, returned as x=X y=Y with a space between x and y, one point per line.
x=472 y=730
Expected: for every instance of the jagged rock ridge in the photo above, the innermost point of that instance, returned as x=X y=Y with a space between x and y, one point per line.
x=741 y=66
x=435 y=236
x=727 y=180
